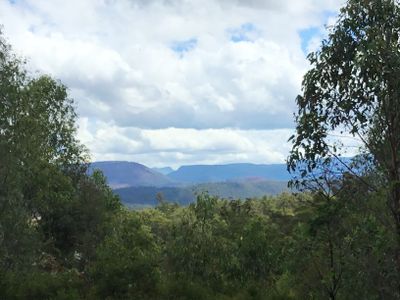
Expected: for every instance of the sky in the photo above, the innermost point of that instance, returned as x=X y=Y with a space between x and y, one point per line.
x=175 y=82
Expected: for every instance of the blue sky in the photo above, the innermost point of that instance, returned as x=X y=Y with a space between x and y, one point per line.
x=243 y=33
x=169 y=83
x=307 y=36
x=312 y=36
x=184 y=46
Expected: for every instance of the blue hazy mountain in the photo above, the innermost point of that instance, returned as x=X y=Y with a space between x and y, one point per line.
x=138 y=185
x=165 y=170
x=217 y=173
x=124 y=174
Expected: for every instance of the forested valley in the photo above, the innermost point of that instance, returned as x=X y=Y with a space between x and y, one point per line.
x=65 y=235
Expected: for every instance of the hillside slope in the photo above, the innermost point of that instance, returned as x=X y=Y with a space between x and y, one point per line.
x=132 y=196
x=123 y=174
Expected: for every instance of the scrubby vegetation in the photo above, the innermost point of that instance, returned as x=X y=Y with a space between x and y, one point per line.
x=282 y=247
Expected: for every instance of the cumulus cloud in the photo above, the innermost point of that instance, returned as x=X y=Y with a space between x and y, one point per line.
x=175 y=81
x=180 y=146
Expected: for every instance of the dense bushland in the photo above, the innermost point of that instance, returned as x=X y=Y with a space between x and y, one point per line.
x=282 y=247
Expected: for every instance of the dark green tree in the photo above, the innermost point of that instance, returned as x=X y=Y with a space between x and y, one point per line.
x=52 y=215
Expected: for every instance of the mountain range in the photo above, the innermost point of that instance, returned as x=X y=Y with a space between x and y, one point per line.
x=138 y=185
x=216 y=173
x=122 y=174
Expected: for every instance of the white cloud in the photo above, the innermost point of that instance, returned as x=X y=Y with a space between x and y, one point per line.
x=179 y=146
x=174 y=81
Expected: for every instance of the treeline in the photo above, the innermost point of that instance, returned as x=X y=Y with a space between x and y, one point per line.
x=280 y=247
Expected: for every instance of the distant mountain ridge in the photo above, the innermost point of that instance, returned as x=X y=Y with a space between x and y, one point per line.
x=217 y=173
x=164 y=171
x=138 y=185
x=121 y=174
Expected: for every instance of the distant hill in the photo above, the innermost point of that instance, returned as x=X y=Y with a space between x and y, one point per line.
x=124 y=174
x=144 y=196
x=217 y=173
x=165 y=170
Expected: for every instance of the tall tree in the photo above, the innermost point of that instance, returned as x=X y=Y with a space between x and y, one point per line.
x=353 y=87
x=47 y=202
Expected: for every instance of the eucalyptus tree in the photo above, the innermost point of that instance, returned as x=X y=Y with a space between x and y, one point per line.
x=353 y=88
x=46 y=198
